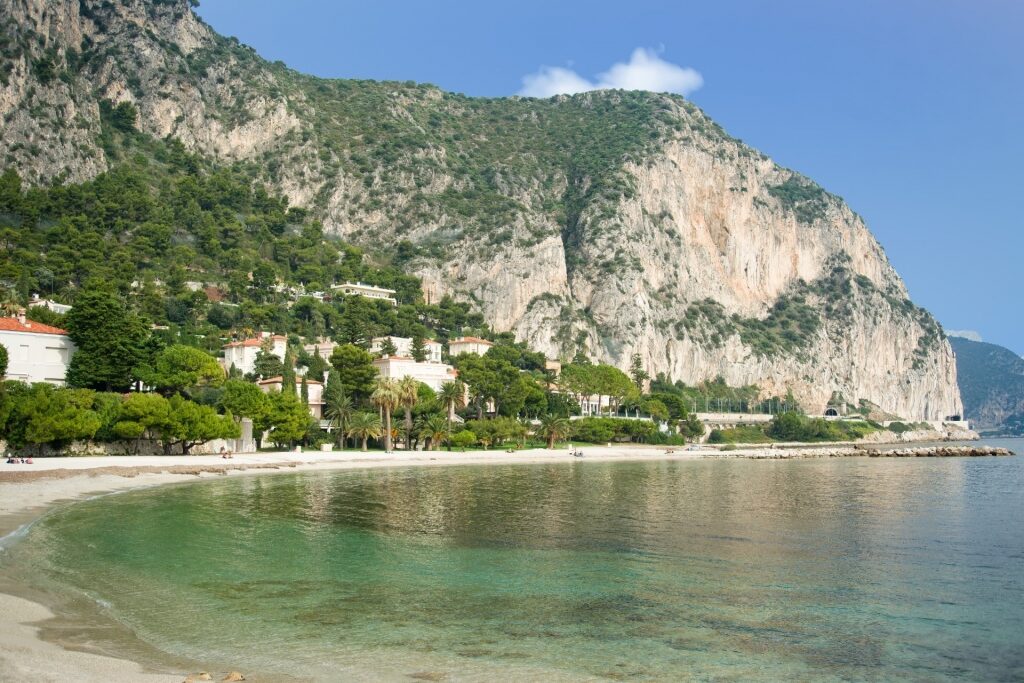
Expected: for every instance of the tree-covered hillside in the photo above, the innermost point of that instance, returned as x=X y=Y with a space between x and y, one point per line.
x=199 y=248
x=992 y=385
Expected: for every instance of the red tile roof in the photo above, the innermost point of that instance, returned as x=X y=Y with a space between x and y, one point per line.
x=471 y=340
x=15 y=325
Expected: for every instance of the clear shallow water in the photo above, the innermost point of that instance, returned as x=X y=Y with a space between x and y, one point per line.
x=846 y=569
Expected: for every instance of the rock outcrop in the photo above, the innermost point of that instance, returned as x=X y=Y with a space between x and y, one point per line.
x=612 y=223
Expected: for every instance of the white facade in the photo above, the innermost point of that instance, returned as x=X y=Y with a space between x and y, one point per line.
x=35 y=352
x=242 y=354
x=595 y=405
x=431 y=374
x=324 y=348
x=368 y=291
x=51 y=305
x=457 y=347
x=314 y=388
x=403 y=347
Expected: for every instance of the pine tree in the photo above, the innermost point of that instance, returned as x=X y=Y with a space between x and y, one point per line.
x=419 y=349
x=388 y=348
x=267 y=364
x=637 y=372
x=110 y=341
x=304 y=389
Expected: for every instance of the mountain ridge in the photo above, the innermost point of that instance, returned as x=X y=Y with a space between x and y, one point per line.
x=992 y=385
x=611 y=222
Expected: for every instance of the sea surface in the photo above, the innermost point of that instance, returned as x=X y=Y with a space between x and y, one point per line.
x=850 y=569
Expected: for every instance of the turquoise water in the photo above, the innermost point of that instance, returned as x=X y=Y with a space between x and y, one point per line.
x=846 y=569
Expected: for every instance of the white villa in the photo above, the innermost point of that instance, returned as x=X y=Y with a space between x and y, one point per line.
x=463 y=345
x=242 y=354
x=49 y=304
x=35 y=352
x=315 y=389
x=403 y=347
x=368 y=291
x=431 y=374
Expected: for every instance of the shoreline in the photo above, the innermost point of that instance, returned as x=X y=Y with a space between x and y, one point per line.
x=28 y=492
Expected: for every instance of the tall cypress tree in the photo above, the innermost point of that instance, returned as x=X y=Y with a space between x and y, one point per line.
x=419 y=349
x=288 y=374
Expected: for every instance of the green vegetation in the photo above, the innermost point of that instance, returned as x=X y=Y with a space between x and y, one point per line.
x=716 y=396
x=804 y=198
x=741 y=434
x=794 y=427
x=43 y=416
x=609 y=429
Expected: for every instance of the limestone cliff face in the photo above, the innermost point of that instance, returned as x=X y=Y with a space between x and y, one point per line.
x=616 y=223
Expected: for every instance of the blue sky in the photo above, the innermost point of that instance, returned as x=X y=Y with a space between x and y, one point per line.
x=912 y=110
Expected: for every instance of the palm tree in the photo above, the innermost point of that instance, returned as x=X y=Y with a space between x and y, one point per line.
x=434 y=427
x=339 y=409
x=385 y=396
x=452 y=396
x=408 y=395
x=553 y=428
x=364 y=426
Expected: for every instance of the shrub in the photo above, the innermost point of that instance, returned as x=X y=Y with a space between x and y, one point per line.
x=463 y=439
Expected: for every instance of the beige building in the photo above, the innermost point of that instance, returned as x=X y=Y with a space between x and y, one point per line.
x=35 y=352
x=403 y=347
x=242 y=354
x=457 y=347
x=367 y=291
x=315 y=389
x=323 y=347
x=431 y=374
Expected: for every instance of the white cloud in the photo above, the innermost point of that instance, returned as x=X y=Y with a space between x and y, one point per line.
x=645 y=70
x=966 y=334
x=554 y=80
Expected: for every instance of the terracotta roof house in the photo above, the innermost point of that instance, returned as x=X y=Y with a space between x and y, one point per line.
x=35 y=352
x=468 y=345
x=242 y=354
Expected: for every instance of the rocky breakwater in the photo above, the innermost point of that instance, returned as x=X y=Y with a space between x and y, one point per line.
x=849 y=451
x=973 y=451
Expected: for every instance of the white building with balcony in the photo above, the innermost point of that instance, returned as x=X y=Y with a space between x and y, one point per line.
x=367 y=291
x=431 y=374
x=35 y=352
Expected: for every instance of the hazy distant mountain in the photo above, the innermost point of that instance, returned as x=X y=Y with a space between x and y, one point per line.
x=612 y=222
x=991 y=384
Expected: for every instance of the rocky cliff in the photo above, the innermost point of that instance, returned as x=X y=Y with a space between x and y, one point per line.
x=612 y=222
